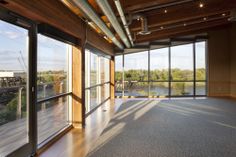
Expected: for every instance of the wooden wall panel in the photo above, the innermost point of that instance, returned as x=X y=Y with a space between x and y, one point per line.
x=219 y=63
x=77 y=102
x=100 y=43
x=112 y=77
x=233 y=59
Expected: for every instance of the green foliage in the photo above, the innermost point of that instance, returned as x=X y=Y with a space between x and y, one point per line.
x=9 y=112
x=161 y=75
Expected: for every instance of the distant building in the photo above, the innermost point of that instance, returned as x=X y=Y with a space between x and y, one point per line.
x=11 y=74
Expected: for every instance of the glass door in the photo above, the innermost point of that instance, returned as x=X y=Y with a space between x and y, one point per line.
x=15 y=134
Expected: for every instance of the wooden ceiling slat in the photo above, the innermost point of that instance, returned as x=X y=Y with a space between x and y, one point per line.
x=191 y=29
x=185 y=13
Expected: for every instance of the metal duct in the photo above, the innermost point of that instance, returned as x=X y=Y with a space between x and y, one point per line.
x=123 y=19
x=232 y=15
x=106 y=8
x=87 y=9
x=144 y=26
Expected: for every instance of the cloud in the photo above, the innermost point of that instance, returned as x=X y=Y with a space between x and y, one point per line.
x=12 y=35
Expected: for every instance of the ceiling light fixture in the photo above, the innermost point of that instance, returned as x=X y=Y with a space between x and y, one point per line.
x=161 y=27
x=223 y=14
x=185 y=24
x=201 y=5
x=166 y=11
x=204 y=18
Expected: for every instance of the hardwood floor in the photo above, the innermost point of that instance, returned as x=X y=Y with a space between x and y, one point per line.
x=77 y=142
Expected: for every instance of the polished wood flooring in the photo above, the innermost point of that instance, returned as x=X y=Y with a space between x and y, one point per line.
x=77 y=142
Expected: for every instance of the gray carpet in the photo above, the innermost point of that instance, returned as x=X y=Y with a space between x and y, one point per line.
x=170 y=128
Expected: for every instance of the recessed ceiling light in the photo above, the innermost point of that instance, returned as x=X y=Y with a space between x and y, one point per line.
x=185 y=24
x=204 y=18
x=201 y=5
x=161 y=27
x=165 y=10
x=223 y=14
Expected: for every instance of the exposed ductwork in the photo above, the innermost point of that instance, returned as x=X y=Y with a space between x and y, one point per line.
x=87 y=9
x=232 y=15
x=106 y=8
x=144 y=26
x=123 y=19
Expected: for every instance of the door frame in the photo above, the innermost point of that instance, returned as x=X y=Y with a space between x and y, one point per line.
x=29 y=149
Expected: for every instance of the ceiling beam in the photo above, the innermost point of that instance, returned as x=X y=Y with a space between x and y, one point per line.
x=184 y=13
x=150 y=5
x=190 y=29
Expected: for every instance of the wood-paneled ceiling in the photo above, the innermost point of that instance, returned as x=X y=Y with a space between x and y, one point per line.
x=170 y=18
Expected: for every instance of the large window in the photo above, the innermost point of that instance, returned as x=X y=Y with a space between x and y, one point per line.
x=172 y=71
x=97 y=76
x=159 y=72
x=182 y=72
x=136 y=74
x=53 y=86
x=118 y=75
x=13 y=88
x=201 y=68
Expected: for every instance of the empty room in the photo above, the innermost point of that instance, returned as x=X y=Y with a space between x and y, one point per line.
x=117 y=78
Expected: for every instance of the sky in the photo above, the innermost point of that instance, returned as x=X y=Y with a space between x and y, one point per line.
x=181 y=57
x=52 y=54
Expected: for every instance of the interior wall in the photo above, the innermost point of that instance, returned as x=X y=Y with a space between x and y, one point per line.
x=233 y=59
x=219 y=63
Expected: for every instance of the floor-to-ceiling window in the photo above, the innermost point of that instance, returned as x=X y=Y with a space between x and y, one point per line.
x=14 y=106
x=201 y=79
x=136 y=74
x=118 y=75
x=53 y=86
x=97 y=79
x=159 y=72
x=182 y=71
x=172 y=71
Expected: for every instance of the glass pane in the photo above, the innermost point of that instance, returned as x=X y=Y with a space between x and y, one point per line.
x=87 y=100
x=159 y=64
x=200 y=88
x=181 y=88
x=103 y=93
x=107 y=91
x=159 y=88
x=107 y=70
x=52 y=76
x=201 y=61
x=93 y=69
x=13 y=87
x=102 y=69
x=182 y=62
x=118 y=68
x=93 y=97
x=118 y=88
x=133 y=88
x=52 y=117
x=87 y=68
x=136 y=66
